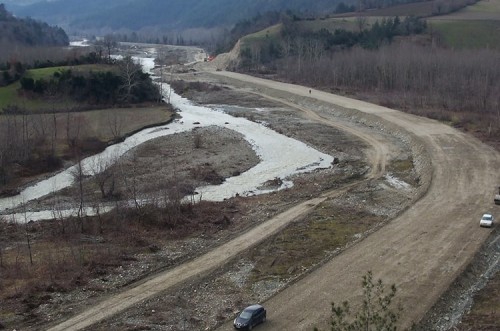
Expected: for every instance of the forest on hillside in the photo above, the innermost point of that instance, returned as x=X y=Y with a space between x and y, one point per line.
x=28 y=32
x=135 y=15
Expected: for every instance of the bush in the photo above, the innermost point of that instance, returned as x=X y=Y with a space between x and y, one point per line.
x=376 y=313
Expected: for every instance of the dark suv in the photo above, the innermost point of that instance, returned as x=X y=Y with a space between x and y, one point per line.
x=250 y=317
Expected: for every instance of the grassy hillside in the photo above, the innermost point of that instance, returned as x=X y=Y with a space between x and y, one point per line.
x=483 y=10
x=421 y=9
x=468 y=34
x=271 y=33
x=475 y=27
x=12 y=95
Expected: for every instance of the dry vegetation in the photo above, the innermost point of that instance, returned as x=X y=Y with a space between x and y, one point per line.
x=459 y=87
x=38 y=262
x=303 y=244
x=41 y=143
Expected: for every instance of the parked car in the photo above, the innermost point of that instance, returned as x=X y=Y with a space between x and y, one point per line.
x=487 y=220
x=250 y=317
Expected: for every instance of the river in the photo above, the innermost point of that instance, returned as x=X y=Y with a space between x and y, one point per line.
x=280 y=156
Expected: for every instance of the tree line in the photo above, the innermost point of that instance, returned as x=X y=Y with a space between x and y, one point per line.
x=127 y=84
x=297 y=42
x=459 y=80
x=14 y=64
x=367 y=36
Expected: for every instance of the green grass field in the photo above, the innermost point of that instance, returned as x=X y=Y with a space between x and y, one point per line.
x=273 y=33
x=421 y=9
x=483 y=10
x=476 y=26
x=47 y=73
x=468 y=34
x=8 y=95
x=12 y=95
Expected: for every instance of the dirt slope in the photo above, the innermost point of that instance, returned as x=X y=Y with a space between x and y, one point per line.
x=421 y=251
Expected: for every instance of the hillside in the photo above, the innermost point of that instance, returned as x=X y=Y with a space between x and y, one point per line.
x=173 y=14
x=95 y=15
x=28 y=32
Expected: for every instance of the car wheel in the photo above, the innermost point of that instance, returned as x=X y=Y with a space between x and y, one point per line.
x=250 y=327
x=263 y=319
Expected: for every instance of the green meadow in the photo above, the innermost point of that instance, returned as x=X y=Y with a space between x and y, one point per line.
x=12 y=95
x=474 y=27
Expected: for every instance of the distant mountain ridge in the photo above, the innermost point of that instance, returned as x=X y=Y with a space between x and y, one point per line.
x=74 y=15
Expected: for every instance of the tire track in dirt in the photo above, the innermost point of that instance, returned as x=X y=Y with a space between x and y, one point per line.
x=377 y=153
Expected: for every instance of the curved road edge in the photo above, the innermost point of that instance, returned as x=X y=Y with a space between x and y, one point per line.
x=423 y=250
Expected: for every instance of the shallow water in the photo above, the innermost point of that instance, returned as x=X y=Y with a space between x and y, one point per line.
x=280 y=156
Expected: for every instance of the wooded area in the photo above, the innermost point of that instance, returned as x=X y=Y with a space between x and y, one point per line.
x=28 y=32
x=395 y=62
x=412 y=75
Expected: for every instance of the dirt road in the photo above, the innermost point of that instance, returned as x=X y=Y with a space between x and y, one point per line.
x=424 y=249
x=421 y=251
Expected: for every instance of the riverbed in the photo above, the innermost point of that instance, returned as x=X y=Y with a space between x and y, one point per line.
x=280 y=157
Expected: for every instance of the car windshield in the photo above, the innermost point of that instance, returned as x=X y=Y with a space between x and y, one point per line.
x=487 y=218
x=245 y=315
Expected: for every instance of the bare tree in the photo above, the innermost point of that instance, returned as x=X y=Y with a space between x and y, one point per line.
x=27 y=234
x=377 y=311
x=99 y=49
x=103 y=177
x=131 y=183
x=361 y=23
x=78 y=177
x=73 y=128
x=129 y=70
x=109 y=43
x=115 y=123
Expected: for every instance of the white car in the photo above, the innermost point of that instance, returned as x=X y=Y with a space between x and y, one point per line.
x=487 y=220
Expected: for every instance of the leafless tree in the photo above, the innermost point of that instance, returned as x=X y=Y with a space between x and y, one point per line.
x=131 y=182
x=27 y=234
x=128 y=72
x=361 y=23
x=109 y=43
x=103 y=176
x=115 y=123
x=78 y=178
x=58 y=215
x=99 y=49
